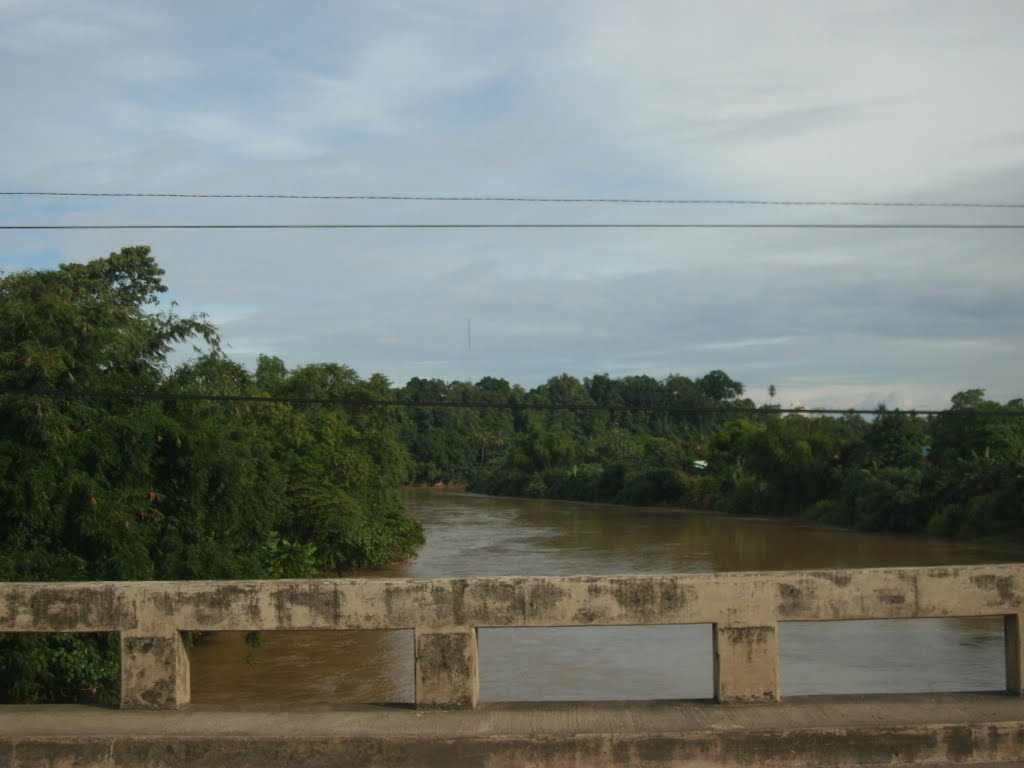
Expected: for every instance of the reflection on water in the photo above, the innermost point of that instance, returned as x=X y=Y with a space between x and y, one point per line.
x=471 y=535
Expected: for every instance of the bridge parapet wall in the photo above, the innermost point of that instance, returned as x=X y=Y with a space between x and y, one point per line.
x=445 y=614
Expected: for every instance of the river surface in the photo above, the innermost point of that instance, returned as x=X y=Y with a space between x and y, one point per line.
x=470 y=535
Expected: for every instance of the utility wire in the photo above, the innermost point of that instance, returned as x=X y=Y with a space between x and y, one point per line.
x=578 y=407
x=584 y=225
x=514 y=199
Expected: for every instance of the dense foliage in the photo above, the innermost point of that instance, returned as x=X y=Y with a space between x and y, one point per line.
x=957 y=474
x=115 y=488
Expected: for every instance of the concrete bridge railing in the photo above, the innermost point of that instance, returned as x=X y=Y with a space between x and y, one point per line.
x=744 y=608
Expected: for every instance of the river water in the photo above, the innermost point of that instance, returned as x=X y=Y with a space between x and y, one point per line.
x=470 y=535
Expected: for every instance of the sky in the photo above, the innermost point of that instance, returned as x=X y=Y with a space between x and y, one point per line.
x=905 y=101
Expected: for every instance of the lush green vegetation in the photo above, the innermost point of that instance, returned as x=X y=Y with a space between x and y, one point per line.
x=957 y=474
x=94 y=488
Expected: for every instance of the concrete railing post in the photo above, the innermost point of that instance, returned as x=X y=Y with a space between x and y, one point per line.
x=447 y=669
x=154 y=671
x=1013 y=632
x=746 y=662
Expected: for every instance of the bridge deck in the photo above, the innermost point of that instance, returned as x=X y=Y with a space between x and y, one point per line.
x=928 y=729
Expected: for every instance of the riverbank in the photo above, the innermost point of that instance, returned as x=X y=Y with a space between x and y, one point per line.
x=439 y=485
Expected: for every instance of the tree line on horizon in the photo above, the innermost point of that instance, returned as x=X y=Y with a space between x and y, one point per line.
x=959 y=473
x=181 y=488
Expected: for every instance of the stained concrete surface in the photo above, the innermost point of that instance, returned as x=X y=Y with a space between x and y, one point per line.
x=933 y=729
x=745 y=609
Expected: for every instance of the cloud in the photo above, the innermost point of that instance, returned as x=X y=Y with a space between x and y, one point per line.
x=805 y=96
x=800 y=100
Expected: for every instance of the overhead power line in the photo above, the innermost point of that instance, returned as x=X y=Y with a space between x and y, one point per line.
x=577 y=225
x=520 y=199
x=343 y=402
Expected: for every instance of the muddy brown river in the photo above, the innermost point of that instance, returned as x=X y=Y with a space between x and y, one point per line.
x=470 y=535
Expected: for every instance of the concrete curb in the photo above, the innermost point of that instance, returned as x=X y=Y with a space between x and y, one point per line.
x=997 y=743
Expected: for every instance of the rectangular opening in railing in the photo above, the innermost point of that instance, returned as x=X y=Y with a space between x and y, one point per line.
x=303 y=667
x=892 y=656
x=596 y=663
x=60 y=667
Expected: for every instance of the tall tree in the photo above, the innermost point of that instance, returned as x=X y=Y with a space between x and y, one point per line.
x=107 y=482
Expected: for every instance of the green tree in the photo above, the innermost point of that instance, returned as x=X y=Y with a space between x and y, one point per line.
x=718 y=386
x=76 y=475
x=973 y=483
x=131 y=487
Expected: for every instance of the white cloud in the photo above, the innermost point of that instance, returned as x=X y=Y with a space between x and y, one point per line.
x=890 y=100
x=800 y=97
